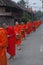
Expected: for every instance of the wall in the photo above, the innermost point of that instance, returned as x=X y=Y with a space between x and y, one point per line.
x=7 y=19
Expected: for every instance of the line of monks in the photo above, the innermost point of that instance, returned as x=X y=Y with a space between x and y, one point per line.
x=10 y=36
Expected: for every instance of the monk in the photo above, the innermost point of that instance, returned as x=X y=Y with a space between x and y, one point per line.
x=33 y=27
x=18 y=36
x=11 y=41
x=22 y=30
x=3 y=46
x=27 y=30
x=30 y=26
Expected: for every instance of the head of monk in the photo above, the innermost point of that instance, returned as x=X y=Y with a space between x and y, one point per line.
x=16 y=23
x=4 y=25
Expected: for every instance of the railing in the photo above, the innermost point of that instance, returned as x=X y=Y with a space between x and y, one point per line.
x=5 y=14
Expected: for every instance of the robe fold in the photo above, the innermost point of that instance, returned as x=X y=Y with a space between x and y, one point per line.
x=3 y=46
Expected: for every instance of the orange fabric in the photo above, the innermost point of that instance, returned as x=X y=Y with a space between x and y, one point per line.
x=18 y=42
x=28 y=28
x=22 y=30
x=33 y=27
x=29 y=25
x=3 y=46
x=37 y=23
x=17 y=31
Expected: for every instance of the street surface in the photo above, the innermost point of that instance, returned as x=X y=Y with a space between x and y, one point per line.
x=32 y=50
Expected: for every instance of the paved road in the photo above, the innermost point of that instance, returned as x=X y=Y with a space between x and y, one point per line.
x=32 y=53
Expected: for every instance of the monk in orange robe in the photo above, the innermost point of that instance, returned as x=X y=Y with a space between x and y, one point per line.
x=22 y=30
x=18 y=35
x=11 y=41
x=33 y=27
x=3 y=46
x=27 y=29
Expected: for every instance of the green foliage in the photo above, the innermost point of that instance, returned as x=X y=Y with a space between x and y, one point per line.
x=25 y=17
x=35 y=18
x=42 y=13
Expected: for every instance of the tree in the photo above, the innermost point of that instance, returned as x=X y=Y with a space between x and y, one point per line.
x=21 y=3
x=42 y=13
x=26 y=17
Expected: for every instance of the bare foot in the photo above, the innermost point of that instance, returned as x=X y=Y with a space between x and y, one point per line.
x=19 y=49
x=10 y=57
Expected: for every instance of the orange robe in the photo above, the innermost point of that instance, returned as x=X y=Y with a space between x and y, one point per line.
x=30 y=26
x=22 y=30
x=18 y=36
x=11 y=41
x=33 y=27
x=27 y=29
x=3 y=46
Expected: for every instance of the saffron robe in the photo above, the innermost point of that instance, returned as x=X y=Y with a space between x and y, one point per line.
x=11 y=41
x=18 y=35
x=22 y=30
x=3 y=46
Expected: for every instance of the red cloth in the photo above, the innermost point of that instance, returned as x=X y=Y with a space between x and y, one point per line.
x=22 y=29
x=28 y=27
x=33 y=27
x=11 y=41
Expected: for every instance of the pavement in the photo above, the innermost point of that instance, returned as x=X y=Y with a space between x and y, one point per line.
x=32 y=50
